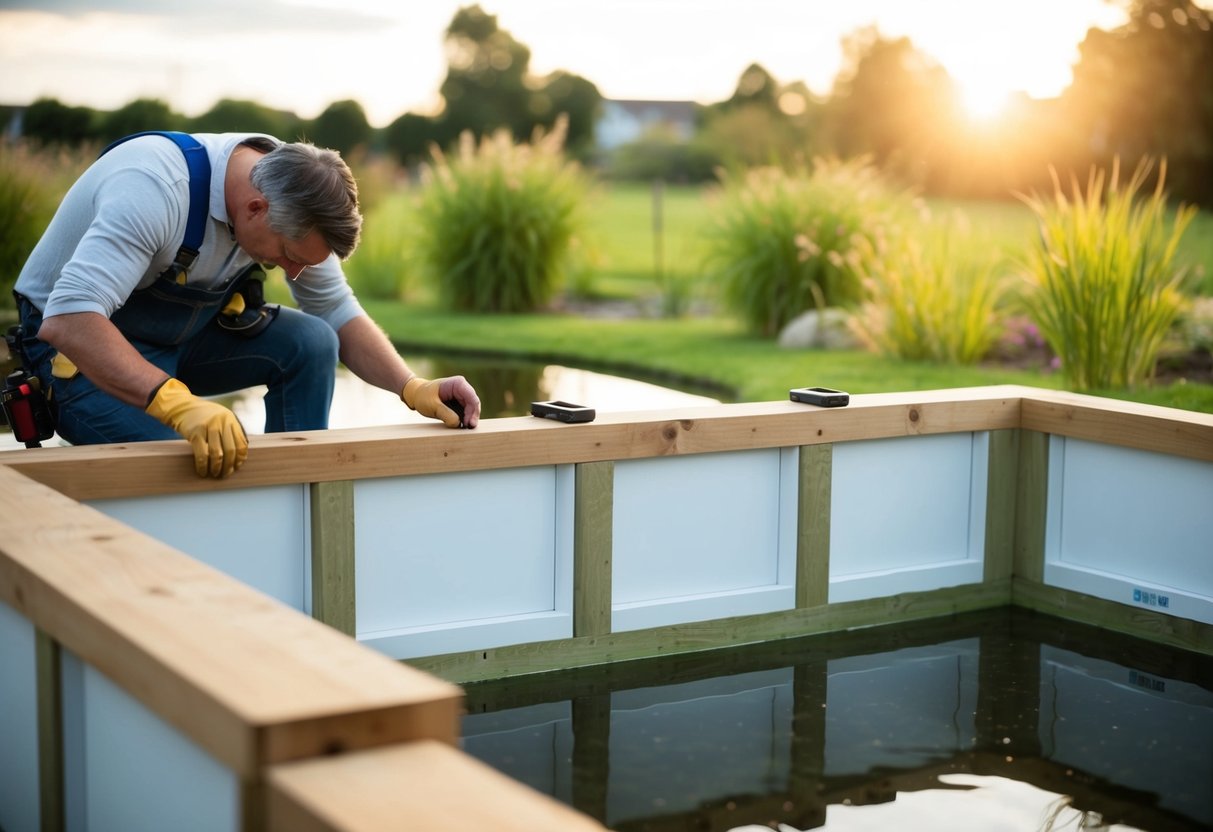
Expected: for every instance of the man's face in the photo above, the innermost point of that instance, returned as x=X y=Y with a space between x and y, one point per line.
x=263 y=244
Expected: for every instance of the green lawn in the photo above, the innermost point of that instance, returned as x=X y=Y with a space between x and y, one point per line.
x=710 y=350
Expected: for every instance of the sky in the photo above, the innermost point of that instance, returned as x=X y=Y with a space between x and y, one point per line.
x=303 y=55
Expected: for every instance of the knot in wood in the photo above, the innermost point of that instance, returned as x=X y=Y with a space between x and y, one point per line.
x=913 y=414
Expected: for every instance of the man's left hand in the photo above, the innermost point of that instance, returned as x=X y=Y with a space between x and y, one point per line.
x=432 y=398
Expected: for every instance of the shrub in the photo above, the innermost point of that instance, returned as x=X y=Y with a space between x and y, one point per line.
x=496 y=222
x=31 y=185
x=1103 y=287
x=379 y=267
x=784 y=243
x=926 y=301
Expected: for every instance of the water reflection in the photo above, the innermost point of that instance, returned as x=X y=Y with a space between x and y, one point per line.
x=505 y=389
x=998 y=720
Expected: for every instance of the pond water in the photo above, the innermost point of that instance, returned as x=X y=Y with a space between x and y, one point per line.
x=1001 y=720
x=505 y=389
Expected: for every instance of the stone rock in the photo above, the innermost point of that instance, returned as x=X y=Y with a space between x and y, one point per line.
x=819 y=329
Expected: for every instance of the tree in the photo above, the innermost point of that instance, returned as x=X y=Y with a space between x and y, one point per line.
x=564 y=93
x=49 y=121
x=137 y=116
x=342 y=126
x=409 y=137
x=236 y=116
x=889 y=103
x=1144 y=90
x=485 y=87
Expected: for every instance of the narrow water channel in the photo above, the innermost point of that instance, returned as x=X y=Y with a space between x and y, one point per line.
x=1002 y=720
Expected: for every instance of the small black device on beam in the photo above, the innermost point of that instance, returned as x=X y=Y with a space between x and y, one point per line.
x=562 y=411
x=820 y=396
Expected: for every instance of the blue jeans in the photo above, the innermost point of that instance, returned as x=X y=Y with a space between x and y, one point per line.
x=295 y=357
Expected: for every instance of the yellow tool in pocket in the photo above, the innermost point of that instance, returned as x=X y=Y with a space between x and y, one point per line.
x=62 y=367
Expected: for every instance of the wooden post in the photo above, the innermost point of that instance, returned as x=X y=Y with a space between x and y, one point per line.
x=1031 y=506
x=333 y=598
x=593 y=516
x=813 y=526
x=1001 y=493
x=50 y=732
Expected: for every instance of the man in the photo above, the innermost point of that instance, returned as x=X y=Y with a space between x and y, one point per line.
x=126 y=341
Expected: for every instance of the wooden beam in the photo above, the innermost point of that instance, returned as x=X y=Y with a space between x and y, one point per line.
x=593 y=519
x=176 y=634
x=418 y=786
x=144 y=468
x=332 y=515
x=1031 y=506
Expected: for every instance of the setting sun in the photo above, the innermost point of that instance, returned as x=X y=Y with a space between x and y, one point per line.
x=983 y=100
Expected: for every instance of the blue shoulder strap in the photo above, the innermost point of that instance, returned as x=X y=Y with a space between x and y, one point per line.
x=199 y=165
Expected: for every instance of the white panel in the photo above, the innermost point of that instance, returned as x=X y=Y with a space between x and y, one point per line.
x=459 y=561
x=907 y=514
x=695 y=525
x=19 y=809
x=258 y=536
x=663 y=612
x=1131 y=526
x=144 y=775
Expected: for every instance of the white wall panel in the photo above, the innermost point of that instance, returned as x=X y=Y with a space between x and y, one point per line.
x=907 y=514
x=19 y=803
x=1131 y=526
x=464 y=561
x=127 y=769
x=259 y=536
x=703 y=536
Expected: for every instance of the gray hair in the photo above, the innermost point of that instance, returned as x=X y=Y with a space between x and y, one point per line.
x=310 y=189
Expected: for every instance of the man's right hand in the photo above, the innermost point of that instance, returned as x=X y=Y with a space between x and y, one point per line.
x=214 y=432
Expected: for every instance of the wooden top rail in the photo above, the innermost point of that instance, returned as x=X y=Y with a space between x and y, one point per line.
x=248 y=679
x=422 y=787
x=105 y=471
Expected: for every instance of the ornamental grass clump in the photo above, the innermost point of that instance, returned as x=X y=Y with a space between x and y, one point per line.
x=497 y=221
x=380 y=267
x=787 y=242
x=1104 y=287
x=926 y=300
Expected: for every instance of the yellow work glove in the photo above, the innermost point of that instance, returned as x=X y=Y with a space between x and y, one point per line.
x=424 y=396
x=213 y=431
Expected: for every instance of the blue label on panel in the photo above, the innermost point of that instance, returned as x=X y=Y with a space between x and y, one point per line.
x=1151 y=599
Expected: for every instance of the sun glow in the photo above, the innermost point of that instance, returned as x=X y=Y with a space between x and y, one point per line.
x=983 y=100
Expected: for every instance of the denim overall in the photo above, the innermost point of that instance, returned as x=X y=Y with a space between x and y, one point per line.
x=173 y=326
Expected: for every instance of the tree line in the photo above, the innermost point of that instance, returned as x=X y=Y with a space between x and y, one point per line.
x=1142 y=89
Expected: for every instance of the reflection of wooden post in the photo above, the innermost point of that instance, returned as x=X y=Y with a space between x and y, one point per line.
x=809 y=689
x=1008 y=696
x=591 y=754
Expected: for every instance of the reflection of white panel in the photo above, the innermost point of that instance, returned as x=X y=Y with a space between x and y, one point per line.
x=258 y=536
x=907 y=514
x=464 y=561
x=704 y=536
x=1131 y=526
x=129 y=770
x=531 y=744
x=19 y=808
x=923 y=697
x=699 y=743
x=1137 y=730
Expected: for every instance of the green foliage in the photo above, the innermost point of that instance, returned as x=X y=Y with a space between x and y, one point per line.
x=784 y=243
x=378 y=268
x=137 y=116
x=496 y=222
x=1104 y=286
x=49 y=122
x=342 y=127
x=926 y=301
x=31 y=185
x=236 y=116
